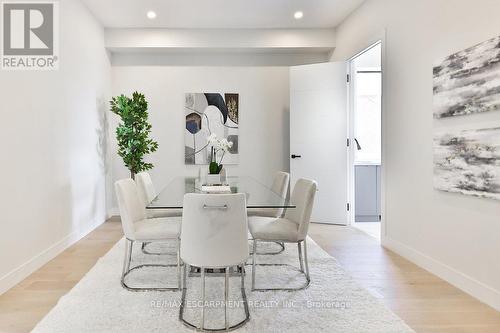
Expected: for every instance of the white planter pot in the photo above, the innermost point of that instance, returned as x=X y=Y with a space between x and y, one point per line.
x=213 y=179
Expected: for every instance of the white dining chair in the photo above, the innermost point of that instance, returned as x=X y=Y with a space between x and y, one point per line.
x=137 y=227
x=279 y=187
x=214 y=236
x=292 y=228
x=147 y=193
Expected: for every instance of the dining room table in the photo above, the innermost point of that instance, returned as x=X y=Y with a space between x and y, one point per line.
x=258 y=195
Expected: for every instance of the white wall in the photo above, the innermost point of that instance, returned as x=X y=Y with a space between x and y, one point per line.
x=218 y=58
x=219 y=47
x=53 y=147
x=454 y=236
x=264 y=115
x=228 y=39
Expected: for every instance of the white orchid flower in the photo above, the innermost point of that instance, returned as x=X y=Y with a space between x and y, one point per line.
x=212 y=138
x=225 y=145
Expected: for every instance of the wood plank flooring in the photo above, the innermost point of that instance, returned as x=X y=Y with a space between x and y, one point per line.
x=27 y=303
x=427 y=303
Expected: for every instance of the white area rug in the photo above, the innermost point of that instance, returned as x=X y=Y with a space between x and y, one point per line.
x=332 y=303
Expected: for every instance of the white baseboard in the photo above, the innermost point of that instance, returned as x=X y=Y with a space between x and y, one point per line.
x=113 y=211
x=475 y=288
x=18 y=274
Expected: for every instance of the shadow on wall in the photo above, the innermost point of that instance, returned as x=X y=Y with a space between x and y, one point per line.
x=82 y=197
x=103 y=152
x=98 y=205
x=102 y=132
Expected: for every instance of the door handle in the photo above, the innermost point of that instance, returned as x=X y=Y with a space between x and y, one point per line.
x=296 y=156
x=357 y=144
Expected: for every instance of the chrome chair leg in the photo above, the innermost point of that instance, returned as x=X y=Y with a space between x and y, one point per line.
x=226 y=292
x=227 y=326
x=127 y=270
x=282 y=248
x=184 y=289
x=202 y=324
x=305 y=259
x=179 y=263
x=254 y=259
x=184 y=278
x=306 y=273
x=127 y=258
x=145 y=250
x=244 y=295
x=299 y=246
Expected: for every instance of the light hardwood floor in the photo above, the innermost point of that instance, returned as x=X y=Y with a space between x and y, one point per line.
x=27 y=303
x=425 y=302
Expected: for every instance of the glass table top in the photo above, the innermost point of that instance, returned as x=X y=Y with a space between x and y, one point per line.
x=258 y=195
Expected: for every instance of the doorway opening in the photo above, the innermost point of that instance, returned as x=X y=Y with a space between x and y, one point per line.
x=365 y=115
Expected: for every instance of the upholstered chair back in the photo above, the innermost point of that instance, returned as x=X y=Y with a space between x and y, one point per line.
x=145 y=186
x=280 y=187
x=131 y=206
x=303 y=195
x=214 y=230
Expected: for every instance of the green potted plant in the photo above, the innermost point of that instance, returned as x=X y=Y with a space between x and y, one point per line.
x=133 y=132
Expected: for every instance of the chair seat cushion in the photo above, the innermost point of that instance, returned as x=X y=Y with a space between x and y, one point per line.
x=157 y=229
x=268 y=228
x=155 y=213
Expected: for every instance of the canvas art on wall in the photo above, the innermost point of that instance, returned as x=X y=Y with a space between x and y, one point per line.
x=208 y=113
x=468 y=162
x=468 y=81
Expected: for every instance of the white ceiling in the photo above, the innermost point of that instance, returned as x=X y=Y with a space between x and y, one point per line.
x=223 y=14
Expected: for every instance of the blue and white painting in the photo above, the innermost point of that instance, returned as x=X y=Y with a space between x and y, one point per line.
x=208 y=113
x=468 y=81
x=468 y=162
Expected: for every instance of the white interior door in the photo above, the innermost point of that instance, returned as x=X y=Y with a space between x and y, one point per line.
x=318 y=136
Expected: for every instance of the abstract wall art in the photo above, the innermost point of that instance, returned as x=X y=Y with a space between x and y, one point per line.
x=468 y=162
x=208 y=113
x=468 y=81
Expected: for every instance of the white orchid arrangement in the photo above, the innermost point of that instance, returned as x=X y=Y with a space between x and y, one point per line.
x=218 y=145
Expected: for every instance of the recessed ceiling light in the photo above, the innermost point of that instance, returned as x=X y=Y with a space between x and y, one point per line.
x=151 y=15
x=298 y=15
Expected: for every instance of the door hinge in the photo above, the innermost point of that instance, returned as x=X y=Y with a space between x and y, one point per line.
x=348 y=78
x=380 y=218
x=348 y=207
x=348 y=142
